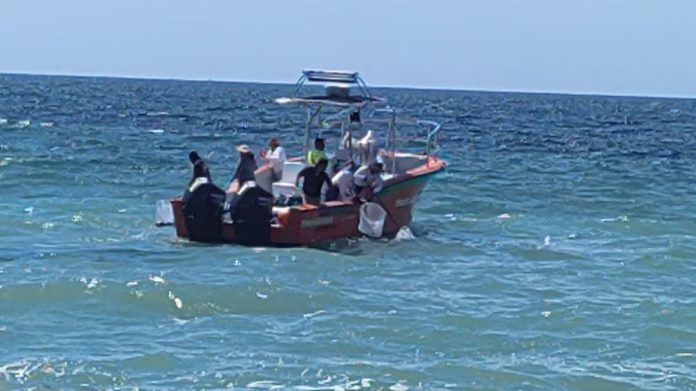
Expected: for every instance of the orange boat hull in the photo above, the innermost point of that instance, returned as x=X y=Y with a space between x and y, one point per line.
x=307 y=225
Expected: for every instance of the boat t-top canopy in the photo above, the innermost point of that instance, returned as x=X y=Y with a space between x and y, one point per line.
x=331 y=76
x=338 y=87
x=347 y=108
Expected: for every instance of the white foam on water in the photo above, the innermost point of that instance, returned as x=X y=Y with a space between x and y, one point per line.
x=327 y=380
x=405 y=233
x=22 y=124
x=93 y=283
x=156 y=131
x=180 y=322
x=46 y=124
x=622 y=218
x=132 y=283
x=177 y=300
x=157 y=280
x=313 y=314
x=504 y=216
x=398 y=387
x=265 y=385
x=157 y=113
x=262 y=296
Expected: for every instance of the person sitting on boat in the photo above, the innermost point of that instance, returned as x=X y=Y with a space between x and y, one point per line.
x=245 y=169
x=275 y=157
x=368 y=181
x=343 y=183
x=314 y=178
x=317 y=153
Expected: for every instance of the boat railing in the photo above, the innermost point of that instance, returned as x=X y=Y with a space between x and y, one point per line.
x=433 y=129
x=432 y=146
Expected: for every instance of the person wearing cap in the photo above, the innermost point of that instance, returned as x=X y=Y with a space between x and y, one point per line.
x=317 y=153
x=246 y=167
x=314 y=178
x=276 y=158
x=368 y=181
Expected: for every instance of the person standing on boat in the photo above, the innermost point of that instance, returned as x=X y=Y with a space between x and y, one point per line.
x=317 y=153
x=276 y=158
x=314 y=178
x=246 y=167
x=343 y=183
x=368 y=181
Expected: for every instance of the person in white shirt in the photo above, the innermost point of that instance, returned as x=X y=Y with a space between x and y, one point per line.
x=368 y=181
x=276 y=157
x=343 y=181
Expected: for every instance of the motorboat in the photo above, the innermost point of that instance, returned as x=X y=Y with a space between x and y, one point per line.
x=340 y=106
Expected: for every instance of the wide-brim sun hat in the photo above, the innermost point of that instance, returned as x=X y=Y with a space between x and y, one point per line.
x=243 y=148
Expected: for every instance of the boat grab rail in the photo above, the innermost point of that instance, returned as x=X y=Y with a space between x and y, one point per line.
x=431 y=140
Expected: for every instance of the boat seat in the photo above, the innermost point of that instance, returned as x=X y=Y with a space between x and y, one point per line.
x=286 y=185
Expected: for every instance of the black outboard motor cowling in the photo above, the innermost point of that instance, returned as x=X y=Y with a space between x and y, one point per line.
x=203 y=208
x=251 y=215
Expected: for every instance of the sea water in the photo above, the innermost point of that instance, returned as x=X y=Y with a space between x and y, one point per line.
x=556 y=252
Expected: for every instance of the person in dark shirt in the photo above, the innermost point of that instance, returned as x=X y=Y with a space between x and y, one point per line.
x=314 y=178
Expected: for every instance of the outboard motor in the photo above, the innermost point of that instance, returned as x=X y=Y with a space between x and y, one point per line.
x=203 y=208
x=251 y=212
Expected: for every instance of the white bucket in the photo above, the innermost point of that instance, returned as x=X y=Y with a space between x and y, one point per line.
x=164 y=215
x=372 y=218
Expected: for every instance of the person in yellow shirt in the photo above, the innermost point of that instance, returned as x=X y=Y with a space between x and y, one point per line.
x=317 y=153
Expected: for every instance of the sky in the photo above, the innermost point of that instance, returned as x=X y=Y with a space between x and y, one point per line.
x=622 y=47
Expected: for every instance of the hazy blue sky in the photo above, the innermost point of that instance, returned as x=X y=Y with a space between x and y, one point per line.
x=644 y=47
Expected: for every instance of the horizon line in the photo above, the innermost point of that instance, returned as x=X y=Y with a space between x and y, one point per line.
x=385 y=86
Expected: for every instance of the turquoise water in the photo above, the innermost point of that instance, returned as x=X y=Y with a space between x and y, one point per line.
x=556 y=252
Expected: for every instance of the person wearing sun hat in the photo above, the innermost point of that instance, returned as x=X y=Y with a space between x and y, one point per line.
x=246 y=166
